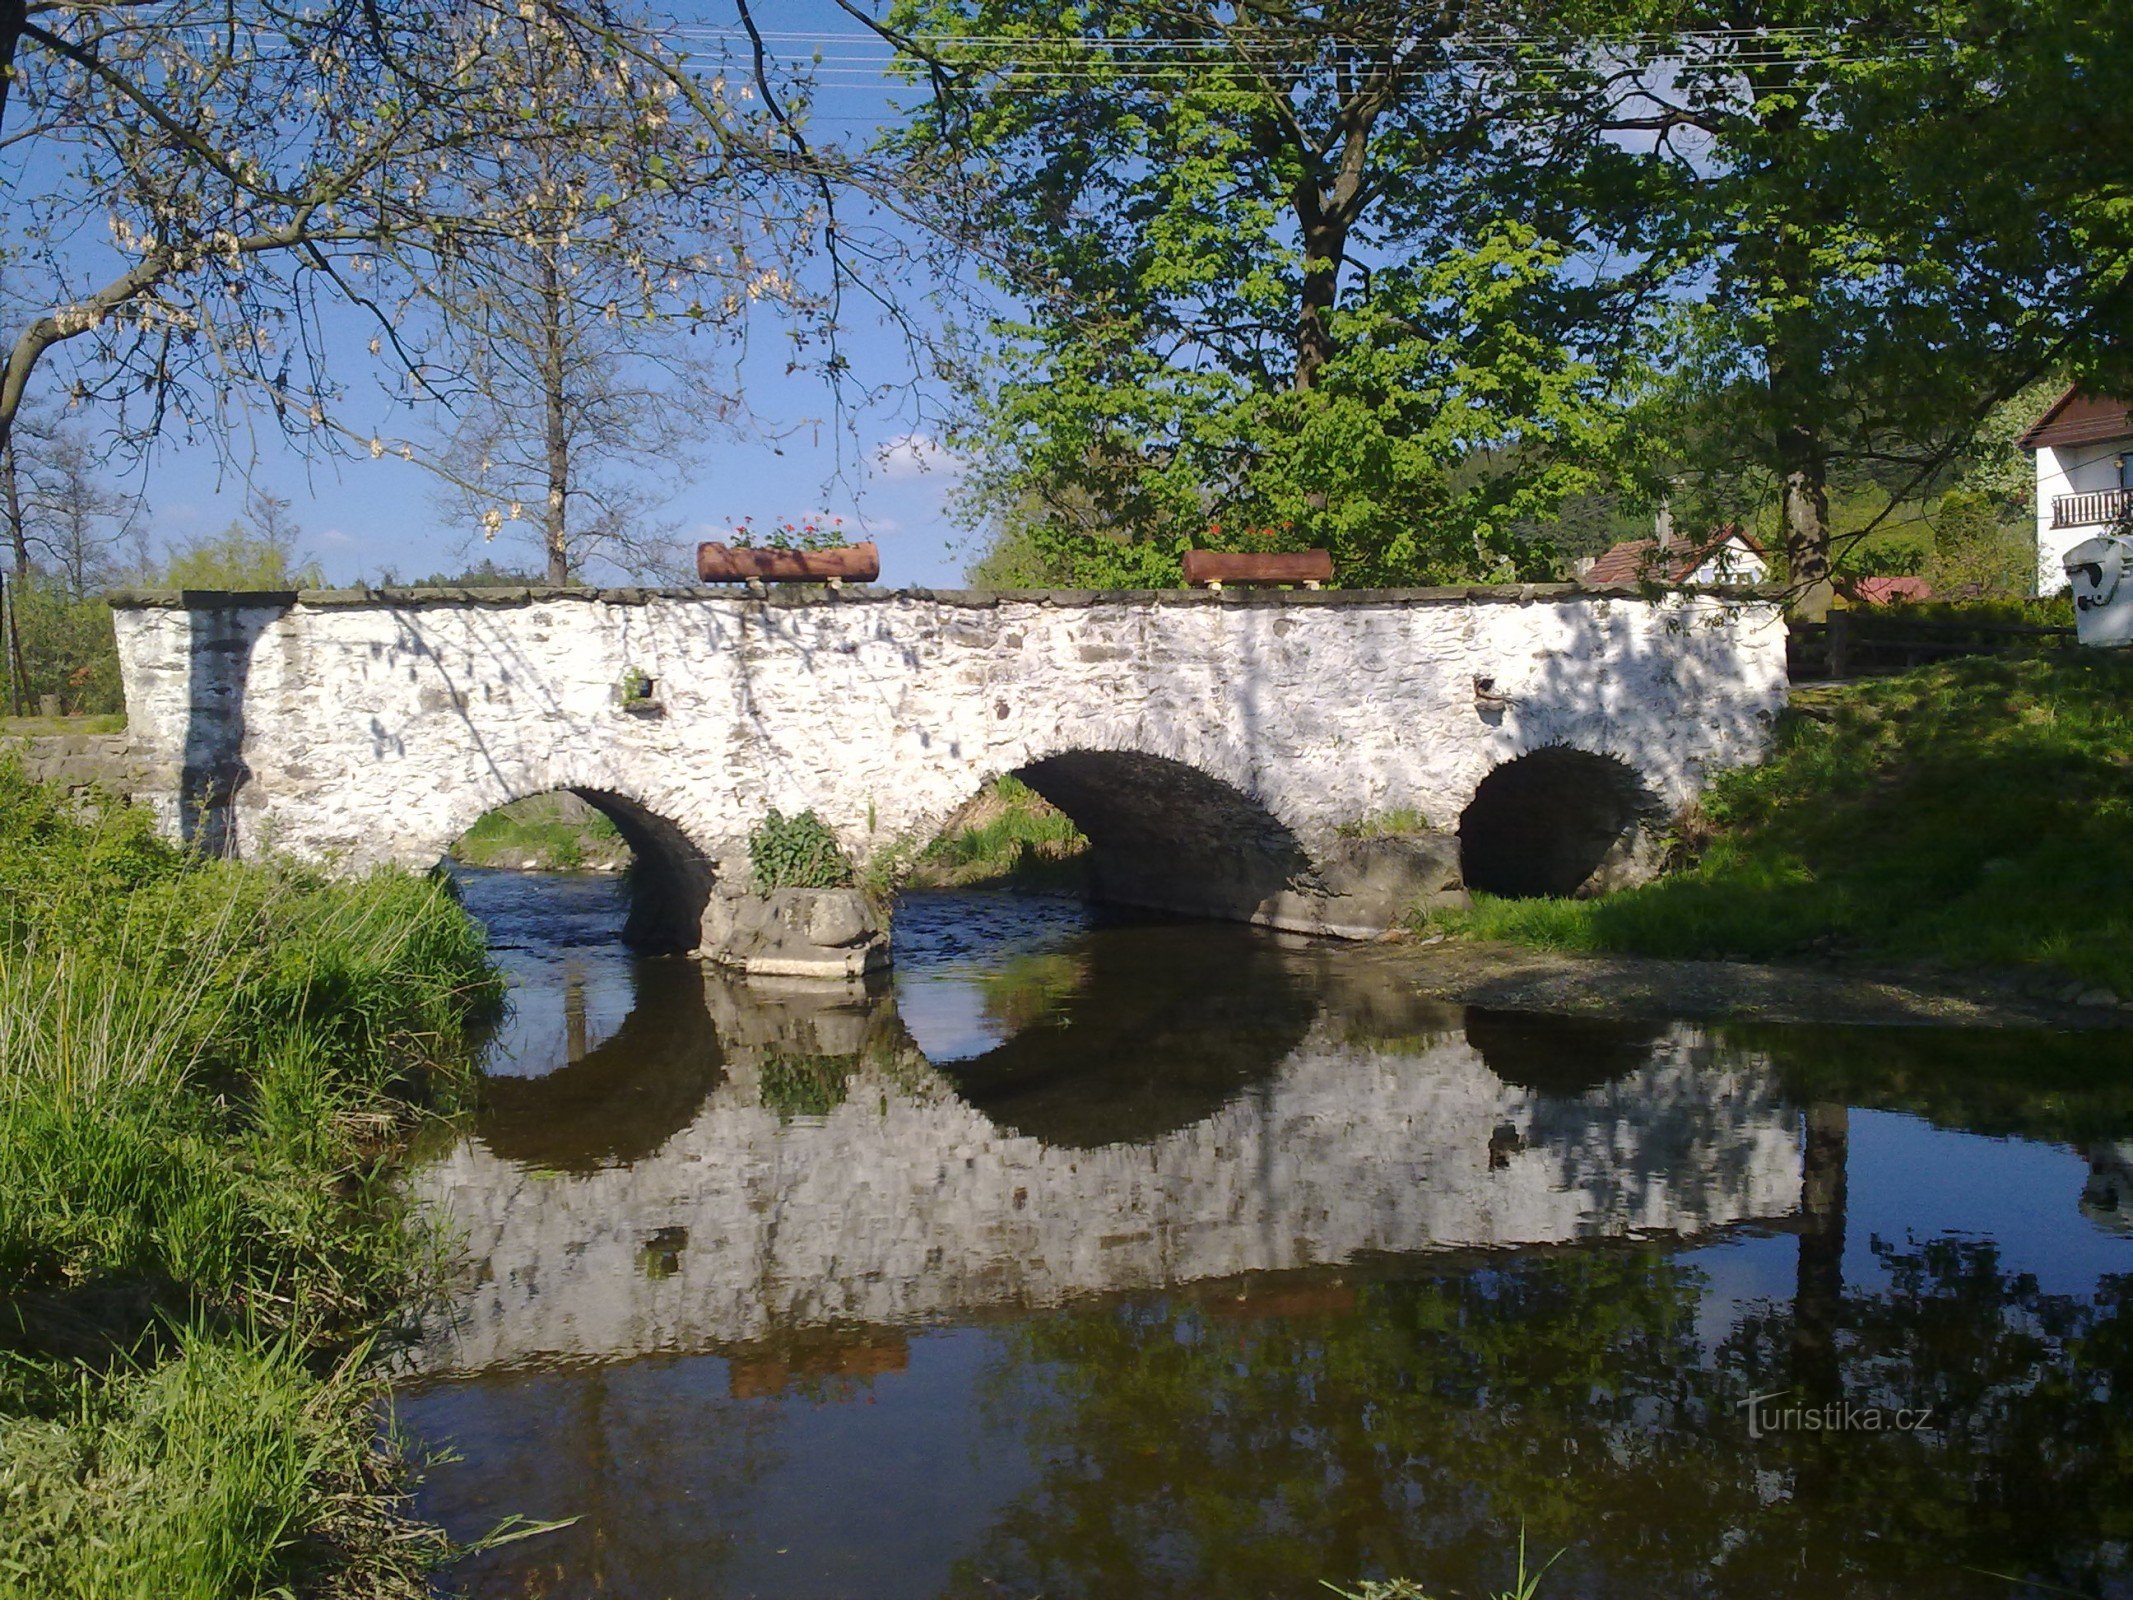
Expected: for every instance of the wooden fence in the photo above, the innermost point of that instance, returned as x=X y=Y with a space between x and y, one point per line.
x=1870 y=644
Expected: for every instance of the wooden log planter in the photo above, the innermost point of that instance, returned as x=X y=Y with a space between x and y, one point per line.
x=845 y=563
x=1213 y=568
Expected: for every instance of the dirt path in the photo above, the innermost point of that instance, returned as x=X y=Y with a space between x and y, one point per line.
x=1519 y=979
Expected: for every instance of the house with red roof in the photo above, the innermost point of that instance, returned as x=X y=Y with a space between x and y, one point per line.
x=2083 y=446
x=1891 y=591
x=1726 y=555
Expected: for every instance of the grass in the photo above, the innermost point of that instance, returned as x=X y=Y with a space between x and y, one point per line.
x=1524 y=1585
x=1400 y=822
x=33 y=727
x=543 y=833
x=1977 y=813
x=206 y=1070
x=1009 y=833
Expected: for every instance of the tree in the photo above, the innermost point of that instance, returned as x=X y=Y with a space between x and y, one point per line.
x=1871 y=218
x=194 y=179
x=573 y=331
x=1260 y=306
x=258 y=551
x=69 y=521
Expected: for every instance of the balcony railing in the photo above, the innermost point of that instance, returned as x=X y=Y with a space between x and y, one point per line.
x=2089 y=510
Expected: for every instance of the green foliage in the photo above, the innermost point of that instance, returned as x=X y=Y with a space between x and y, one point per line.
x=1009 y=832
x=1174 y=375
x=796 y=852
x=1843 y=312
x=1399 y=822
x=1101 y=468
x=1980 y=550
x=797 y=1085
x=1975 y=812
x=202 y=1066
x=557 y=833
x=241 y=557
x=809 y=533
x=68 y=646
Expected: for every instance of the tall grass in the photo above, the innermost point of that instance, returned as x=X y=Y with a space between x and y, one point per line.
x=1978 y=813
x=204 y=1072
x=1009 y=832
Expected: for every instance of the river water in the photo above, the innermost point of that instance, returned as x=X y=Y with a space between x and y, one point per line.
x=1115 y=1258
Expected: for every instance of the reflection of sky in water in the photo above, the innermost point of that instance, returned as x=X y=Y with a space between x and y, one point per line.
x=949 y=945
x=1909 y=1181
x=2022 y=1195
x=571 y=983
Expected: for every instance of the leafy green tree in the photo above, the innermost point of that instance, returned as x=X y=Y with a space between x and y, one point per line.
x=1872 y=221
x=1255 y=306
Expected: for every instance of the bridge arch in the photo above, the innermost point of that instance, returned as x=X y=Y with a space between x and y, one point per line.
x=1165 y=834
x=670 y=875
x=1558 y=822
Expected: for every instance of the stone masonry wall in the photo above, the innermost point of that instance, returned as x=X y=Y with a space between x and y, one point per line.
x=80 y=762
x=368 y=727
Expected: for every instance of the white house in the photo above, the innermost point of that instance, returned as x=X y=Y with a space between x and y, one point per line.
x=2084 y=450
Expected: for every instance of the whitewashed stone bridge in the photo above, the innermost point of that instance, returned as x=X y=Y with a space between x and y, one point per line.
x=1234 y=755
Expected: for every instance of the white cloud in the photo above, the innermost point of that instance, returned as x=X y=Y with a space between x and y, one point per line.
x=912 y=455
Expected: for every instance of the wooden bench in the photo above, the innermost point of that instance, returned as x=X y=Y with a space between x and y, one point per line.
x=844 y=563
x=1211 y=569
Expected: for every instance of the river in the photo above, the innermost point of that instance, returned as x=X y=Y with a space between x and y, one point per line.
x=1109 y=1257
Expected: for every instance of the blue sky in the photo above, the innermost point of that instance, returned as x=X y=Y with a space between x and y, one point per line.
x=881 y=471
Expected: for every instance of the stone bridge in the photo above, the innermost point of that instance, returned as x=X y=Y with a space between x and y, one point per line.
x=1318 y=762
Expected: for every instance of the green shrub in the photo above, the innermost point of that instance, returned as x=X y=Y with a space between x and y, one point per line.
x=555 y=832
x=68 y=646
x=796 y=853
x=796 y=1085
x=204 y=1069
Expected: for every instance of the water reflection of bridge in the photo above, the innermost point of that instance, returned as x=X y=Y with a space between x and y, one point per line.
x=762 y=1166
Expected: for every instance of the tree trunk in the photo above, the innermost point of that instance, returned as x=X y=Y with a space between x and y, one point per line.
x=554 y=370
x=1327 y=201
x=1818 y=1290
x=1325 y=248
x=1793 y=345
x=14 y=15
x=18 y=533
x=1803 y=476
x=18 y=539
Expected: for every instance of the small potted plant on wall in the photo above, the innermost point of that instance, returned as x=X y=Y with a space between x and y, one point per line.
x=639 y=691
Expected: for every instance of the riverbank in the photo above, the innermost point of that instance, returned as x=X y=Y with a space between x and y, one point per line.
x=555 y=832
x=1977 y=815
x=1008 y=835
x=206 y=1072
x=1511 y=977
